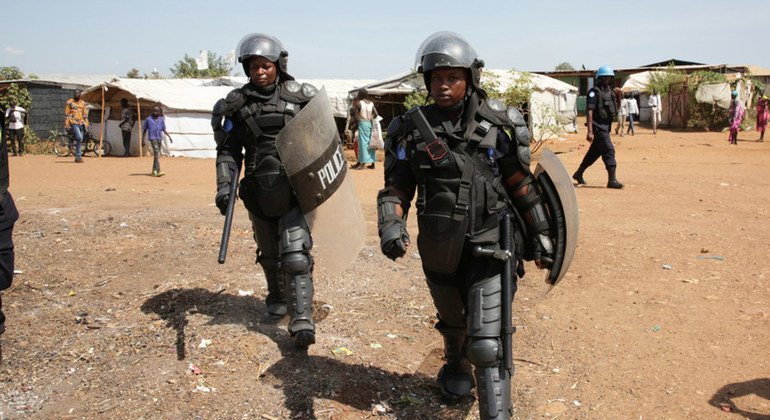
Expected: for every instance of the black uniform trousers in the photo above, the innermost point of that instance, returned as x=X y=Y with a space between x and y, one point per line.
x=601 y=146
x=8 y=216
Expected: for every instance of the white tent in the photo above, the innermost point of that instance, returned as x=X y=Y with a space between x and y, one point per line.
x=552 y=104
x=186 y=105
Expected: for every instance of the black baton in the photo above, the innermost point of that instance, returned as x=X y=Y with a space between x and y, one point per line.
x=508 y=328
x=229 y=216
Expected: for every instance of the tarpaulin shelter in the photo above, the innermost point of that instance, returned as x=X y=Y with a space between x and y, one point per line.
x=186 y=105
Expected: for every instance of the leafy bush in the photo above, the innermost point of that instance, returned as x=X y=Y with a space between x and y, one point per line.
x=16 y=94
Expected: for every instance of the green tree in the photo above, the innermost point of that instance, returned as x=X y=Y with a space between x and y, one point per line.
x=564 y=66
x=133 y=73
x=16 y=94
x=517 y=94
x=186 y=68
x=417 y=98
x=10 y=73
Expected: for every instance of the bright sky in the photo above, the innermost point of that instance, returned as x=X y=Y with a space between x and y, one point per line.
x=373 y=40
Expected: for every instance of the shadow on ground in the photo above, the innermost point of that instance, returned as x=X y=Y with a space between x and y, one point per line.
x=303 y=378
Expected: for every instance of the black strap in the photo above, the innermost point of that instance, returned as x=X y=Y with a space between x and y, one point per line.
x=249 y=118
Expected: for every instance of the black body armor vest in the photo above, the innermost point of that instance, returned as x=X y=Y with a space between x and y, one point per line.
x=606 y=110
x=265 y=188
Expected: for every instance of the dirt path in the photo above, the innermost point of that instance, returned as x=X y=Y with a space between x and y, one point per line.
x=665 y=313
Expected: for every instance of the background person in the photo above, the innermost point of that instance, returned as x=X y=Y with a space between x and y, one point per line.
x=632 y=109
x=736 y=112
x=8 y=217
x=16 y=117
x=76 y=119
x=622 y=115
x=365 y=113
x=155 y=125
x=762 y=114
x=126 y=126
x=656 y=109
x=600 y=111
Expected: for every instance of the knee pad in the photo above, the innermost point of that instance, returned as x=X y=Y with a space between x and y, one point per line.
x=294 y=233
x=485 y=352
x=295 y=263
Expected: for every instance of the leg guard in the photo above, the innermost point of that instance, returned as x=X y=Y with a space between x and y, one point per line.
x=485 y=350
x=266 y=236
x=276 y=286
x=295 y=260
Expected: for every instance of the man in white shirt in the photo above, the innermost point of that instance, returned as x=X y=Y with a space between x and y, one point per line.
x=15 y=116
x=655 y=109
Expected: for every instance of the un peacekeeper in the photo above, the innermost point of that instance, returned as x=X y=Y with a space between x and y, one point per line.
x=246 y=124
x=473 y=174
x=8 y=217
x=601 y=109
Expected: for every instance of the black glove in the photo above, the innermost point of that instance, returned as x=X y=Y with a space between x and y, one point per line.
x=394 y=239
x=542 y=249
x=222 y=198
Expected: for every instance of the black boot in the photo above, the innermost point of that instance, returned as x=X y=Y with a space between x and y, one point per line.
x=275 y=301
x=578 y=176
x=301 y=325
x=455 y=376
x=613 y=181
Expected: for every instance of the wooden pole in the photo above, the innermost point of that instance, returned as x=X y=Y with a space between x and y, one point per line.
x=104 y=126
x=139 y=118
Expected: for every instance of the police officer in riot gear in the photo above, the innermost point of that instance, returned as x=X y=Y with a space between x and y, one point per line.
x=245 y=125
x=470 y=169
x=601 y=109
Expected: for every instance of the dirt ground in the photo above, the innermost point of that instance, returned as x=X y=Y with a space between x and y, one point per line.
x=120 y=309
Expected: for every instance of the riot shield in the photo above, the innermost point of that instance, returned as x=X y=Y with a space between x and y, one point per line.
x=561 y=202
x=311 y=152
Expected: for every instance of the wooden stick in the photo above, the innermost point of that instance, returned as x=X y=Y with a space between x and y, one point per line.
x=139 y=117
x=104 y=126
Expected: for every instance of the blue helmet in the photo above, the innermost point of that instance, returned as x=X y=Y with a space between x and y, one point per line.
x=604 y=71
x=734 y=94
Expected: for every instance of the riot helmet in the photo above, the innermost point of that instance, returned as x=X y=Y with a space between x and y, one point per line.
x=448 y=49
x=268 y=46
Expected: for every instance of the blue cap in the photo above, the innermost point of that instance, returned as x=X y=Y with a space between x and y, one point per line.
x=605 y=71
x=735 y=94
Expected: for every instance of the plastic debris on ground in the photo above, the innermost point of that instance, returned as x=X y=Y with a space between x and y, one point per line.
x=245 y=292
x=656 y=328
x=195 y=370
x=204 y=343
x=410 y=400
x=342 y=351
x=375 y=345
x=711 y=257
x=667 y=266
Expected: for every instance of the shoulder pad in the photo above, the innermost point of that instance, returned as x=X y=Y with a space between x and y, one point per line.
x=297 y=93
x=495 y=105
x=219 y=107
x=515 y=117
x=233 y=102
x=309 y=90
x=399 y=126
x=493 y=111
x=292 y=86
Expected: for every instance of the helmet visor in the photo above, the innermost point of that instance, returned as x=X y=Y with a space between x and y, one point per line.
x=444 y=49
x=259 y=44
